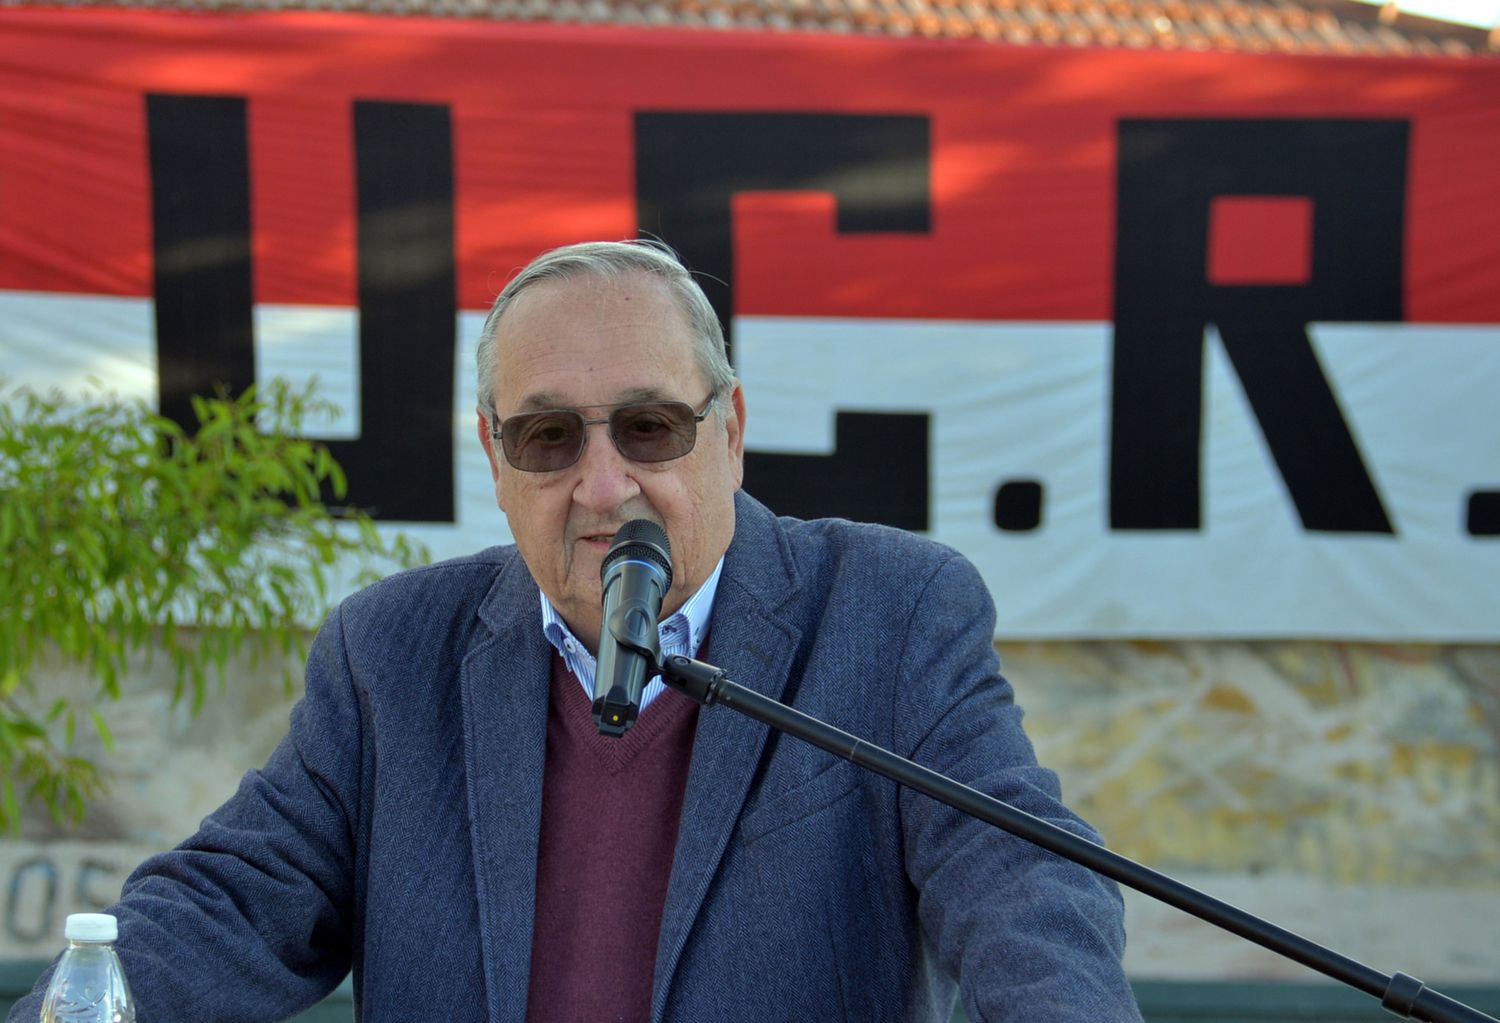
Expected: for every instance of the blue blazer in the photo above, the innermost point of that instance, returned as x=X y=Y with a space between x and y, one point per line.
x=394 y=831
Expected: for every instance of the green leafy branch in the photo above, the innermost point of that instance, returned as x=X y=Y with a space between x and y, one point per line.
x=123 y=533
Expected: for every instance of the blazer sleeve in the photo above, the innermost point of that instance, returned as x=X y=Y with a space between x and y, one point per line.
x=1029 y=935
x=250 y=919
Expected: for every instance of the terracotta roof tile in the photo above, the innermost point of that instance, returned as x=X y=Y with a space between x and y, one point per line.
x=1287 y=26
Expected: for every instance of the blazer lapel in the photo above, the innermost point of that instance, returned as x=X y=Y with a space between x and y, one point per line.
x=755 y=646
x=504 y=681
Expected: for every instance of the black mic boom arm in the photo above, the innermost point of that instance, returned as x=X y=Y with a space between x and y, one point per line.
x=1400 y=994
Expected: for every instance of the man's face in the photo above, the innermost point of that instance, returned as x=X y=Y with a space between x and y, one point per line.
x=595 y=342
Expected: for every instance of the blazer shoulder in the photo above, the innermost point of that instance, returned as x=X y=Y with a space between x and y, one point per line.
x=882 y=550
x=444 y=590
x=877 y=576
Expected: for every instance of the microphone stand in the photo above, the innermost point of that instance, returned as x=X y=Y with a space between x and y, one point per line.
x=1400 y=994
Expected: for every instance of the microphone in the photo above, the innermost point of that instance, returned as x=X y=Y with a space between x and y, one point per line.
x=637 y=572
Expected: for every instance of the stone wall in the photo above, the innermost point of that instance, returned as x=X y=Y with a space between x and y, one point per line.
x=1348 y=792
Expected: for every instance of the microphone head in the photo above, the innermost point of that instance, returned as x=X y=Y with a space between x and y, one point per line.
x=640 y=540
x=635 y=577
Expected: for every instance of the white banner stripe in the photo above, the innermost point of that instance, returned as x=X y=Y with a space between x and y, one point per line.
x=1010 y=402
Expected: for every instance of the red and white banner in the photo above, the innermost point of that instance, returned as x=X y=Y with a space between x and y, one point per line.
x=1169 y=344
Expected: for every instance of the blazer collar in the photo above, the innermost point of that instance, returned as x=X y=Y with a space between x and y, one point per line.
x=504 y=687
x=754 y=641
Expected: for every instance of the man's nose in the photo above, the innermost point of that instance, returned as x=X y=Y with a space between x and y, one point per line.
x=606 y=478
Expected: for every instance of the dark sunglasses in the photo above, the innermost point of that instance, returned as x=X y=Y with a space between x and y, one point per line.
x=645 y=431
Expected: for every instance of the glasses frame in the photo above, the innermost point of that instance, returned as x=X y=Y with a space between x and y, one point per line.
x=497 y=427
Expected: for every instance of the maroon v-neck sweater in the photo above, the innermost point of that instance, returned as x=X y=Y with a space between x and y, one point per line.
x=610 y=809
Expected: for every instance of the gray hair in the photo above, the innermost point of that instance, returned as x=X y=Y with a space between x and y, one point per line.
x=610 y=261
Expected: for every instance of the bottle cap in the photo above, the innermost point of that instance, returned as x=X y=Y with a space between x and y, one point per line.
x=91 y=927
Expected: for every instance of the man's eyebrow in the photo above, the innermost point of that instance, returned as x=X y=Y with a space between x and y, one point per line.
x=540 y=402
x=636 y=394
x=543 y=401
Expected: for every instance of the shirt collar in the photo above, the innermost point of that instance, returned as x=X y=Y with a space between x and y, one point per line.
x=682 y=633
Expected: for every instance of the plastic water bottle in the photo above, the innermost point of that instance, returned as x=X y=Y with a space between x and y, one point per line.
x=89 y=985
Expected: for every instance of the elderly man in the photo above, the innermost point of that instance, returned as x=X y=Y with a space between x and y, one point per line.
x=445 y=820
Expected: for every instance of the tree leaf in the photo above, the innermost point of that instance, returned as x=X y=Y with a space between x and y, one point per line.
x=127 y=535
x=102 y=728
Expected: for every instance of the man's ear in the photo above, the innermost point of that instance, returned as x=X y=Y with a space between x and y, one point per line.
x=734 y=426
x=488 y=443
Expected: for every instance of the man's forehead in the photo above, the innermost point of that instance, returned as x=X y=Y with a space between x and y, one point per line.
x=581 y=307
x=581 y=289
x=591 y=341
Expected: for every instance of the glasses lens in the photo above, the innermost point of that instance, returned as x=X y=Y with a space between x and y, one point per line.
x=655 y=431
x=542 y=441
